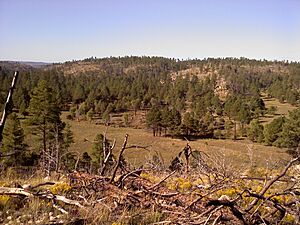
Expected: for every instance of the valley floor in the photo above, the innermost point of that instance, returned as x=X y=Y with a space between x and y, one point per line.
x=234 y=153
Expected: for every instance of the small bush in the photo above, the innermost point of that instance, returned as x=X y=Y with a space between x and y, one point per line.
x=60 y=188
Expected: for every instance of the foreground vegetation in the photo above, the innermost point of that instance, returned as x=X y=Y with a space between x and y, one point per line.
x=199 y=190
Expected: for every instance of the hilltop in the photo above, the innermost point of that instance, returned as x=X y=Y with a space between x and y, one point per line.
x=225 y=71
x=176 y=67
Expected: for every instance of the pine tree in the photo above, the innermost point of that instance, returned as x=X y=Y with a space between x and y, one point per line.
x=272 y=131
x=255 y=131
x=189 y=123
x=153 y=119
x=13 y=142
x=90 y=114
x=46 y=123
x=100 y=151
x=291 y=130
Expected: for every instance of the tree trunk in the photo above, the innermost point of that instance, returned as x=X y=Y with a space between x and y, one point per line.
x=44 y=153
x=57 y=146
x=234 y=135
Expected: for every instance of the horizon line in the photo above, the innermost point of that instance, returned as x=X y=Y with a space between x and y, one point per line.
x=157 y=56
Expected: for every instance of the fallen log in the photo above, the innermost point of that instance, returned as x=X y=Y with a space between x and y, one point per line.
x=15 y=191
x=26 y=193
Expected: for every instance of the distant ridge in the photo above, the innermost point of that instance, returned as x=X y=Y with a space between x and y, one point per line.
x=25 y=64
x=34 y=64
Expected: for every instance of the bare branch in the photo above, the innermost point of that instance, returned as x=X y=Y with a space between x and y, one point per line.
x=119 y=159
x=160 y=182
x=271 y=182
x=138 y=146
x=107 y=157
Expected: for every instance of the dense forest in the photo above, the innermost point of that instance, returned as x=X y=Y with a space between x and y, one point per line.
x=171 y=98
x=210 y=98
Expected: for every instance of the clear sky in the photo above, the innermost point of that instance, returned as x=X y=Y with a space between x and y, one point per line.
x=61 y=30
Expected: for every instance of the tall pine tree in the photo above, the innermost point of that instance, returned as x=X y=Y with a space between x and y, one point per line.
x=46 y=124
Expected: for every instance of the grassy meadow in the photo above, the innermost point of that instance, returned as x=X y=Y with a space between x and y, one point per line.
x=282 y=108
x=231 y=153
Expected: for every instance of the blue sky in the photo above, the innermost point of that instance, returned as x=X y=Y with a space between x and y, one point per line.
x=61 y=30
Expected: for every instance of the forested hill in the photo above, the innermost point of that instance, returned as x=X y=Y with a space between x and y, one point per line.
x=174 y=67
x=203 y=98
x=144 y=78
x=229 y=74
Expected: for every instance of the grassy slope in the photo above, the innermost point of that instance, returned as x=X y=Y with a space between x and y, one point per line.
x=282 y=108
x=229 y=152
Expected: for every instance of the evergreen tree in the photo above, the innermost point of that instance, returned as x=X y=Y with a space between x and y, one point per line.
x=90 y=114
x=46 y=123
x=291 y=130
x=153 y=119
x=255 y=131
x=228 y=128
x=100 y=151
x=85 y=162
x=67 y=136
x=272 y=131
x=189 y=123
x=174 y=122
x=13 y=142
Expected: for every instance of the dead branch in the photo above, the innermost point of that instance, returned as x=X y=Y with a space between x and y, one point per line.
x=167 y=195
x=187 y=152
x=132 y=173
x=138 y=146
x=119 y=159
x=160 y=182
x=162 y=222
x=202 y=196
x=271 y=182
x=110 y=149
x=62 y=210
x=263 y=179
x=42 y=184
x=217 y=219
x=62 y=199
x=231 y=205
x=104 y=142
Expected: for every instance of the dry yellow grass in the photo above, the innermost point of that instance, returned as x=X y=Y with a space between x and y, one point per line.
x=282 y=108
x=232 y=152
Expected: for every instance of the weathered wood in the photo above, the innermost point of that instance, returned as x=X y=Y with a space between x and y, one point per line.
x=106 y=159
x=119 y=159
x=26 y=193
x=14 y=191
x=63 y=199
